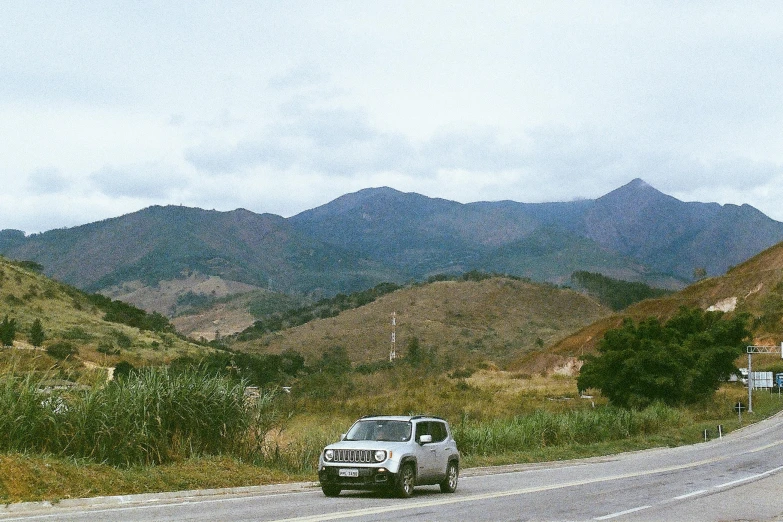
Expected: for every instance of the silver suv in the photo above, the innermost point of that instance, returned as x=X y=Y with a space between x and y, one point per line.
x=391 y=452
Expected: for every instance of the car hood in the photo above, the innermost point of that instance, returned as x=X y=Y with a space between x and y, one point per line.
x=367 y=444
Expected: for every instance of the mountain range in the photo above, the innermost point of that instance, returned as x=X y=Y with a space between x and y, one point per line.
x=379 y=235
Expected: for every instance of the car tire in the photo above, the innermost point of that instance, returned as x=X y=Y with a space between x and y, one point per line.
x=406 y=481
x=330 y=490
x=449 y=484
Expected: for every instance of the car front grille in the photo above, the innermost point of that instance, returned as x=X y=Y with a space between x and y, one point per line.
x=353 y=456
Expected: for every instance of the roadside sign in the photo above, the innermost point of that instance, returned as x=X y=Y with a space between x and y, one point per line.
x=779 y=380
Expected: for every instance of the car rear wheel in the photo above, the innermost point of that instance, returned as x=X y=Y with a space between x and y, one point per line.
x=449 y=484
x=406 y=481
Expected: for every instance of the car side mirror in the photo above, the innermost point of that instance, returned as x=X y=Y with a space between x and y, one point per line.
x=342 y=436
x=425 y=439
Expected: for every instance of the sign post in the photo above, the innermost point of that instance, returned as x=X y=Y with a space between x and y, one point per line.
x=758 y=349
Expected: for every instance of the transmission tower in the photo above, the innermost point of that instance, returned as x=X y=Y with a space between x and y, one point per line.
x=393 y=351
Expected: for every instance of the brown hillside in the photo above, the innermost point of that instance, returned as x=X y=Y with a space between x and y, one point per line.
x=753 y=287
x=496 y=319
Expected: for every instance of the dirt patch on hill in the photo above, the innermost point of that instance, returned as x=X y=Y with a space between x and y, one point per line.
x=164 y=296
x=219 y=320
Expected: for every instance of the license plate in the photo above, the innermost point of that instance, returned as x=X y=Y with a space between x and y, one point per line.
x=348 y=472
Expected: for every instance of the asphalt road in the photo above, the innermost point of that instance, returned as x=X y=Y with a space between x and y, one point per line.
x=739 y=477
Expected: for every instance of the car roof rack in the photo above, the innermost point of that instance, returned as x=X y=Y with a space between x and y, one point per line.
x=412 y=417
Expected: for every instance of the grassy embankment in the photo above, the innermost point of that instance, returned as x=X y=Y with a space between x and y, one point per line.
x=174 y=432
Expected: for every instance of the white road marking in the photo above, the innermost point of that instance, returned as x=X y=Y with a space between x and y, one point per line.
x=621 y=513
x=747 y=479
x=692 y=494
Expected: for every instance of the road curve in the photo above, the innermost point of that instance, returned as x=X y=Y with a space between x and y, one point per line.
x=738 y=477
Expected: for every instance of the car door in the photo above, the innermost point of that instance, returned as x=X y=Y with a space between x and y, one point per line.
x=426 y=455
x=440 y=449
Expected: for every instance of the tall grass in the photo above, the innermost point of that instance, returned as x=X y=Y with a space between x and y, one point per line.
x=28 y=418
x=157 y=416
x=154 y=417
x=543 y=428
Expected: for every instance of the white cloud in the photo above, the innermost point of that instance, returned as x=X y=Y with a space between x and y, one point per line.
x=47 y=181
x=279 y=107
x=141 y=182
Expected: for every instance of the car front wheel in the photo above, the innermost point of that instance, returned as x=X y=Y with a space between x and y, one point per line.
x=449 y=484
x=406 y=481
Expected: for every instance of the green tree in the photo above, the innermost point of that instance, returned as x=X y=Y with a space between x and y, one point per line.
x=680 y=362
x=291 y=362
x=413 y=352
x=37 y=334
x=8 y=331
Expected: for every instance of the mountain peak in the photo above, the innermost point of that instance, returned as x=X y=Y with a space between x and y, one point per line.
x=636 y=193
x=638 y=184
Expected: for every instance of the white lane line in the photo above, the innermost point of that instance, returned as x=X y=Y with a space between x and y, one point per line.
x=748 y=479
x=735 y=482
x=691 y=494
x=621 y=513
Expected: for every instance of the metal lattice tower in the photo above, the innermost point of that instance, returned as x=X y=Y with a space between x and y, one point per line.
x=393 y=351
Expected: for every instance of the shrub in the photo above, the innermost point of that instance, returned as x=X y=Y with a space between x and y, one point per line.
x=123 y=340
x=106 y=346
x=77 y=333
x=61 y=350
x=123 y=369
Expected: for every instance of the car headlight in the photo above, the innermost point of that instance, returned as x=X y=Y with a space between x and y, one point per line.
x=380 y=456
x=329 y=455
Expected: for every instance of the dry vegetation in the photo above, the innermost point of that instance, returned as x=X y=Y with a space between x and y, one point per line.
x=66 y=315
x=497 y=345
x=496 y=319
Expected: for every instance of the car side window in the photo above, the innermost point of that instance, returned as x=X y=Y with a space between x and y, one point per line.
x=438 y=431
x=422 y=428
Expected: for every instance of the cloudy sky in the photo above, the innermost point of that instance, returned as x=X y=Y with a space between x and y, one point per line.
x=109 y=107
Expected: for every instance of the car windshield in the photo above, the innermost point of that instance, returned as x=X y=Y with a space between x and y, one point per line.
x=385 y=430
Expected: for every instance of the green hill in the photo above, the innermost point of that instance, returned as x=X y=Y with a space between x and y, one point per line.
x=77 y=322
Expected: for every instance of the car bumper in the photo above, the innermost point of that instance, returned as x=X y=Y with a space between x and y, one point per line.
x=366 y=477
